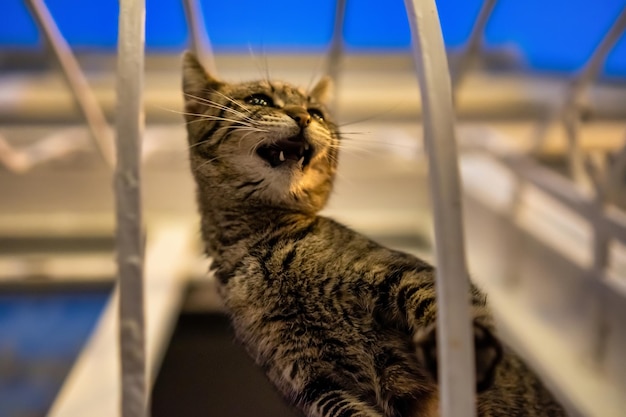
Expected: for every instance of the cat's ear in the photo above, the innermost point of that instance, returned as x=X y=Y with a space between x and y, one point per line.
x=196 y=80
x=323 y=90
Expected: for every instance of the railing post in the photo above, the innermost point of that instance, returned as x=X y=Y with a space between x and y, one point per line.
x=473 y=46
x=616 y=181
x=576 y=104
x=336 y=44
x=198 y=37
x=130 y=237
x=75 y=79
x=454 y=336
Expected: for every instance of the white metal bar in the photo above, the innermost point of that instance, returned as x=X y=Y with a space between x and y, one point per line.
x=576 y=103
x=12 y=159
x=474 y=44
x=454 y=337
x=616 y=182
x=610 y=221
x=76 y=80
x=336 y=44
x=55 y=146
x=575 y=156
x=594 y=65
x=198 y=37
x=130 y=237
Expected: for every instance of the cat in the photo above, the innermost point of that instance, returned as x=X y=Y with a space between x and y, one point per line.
x=341 y=325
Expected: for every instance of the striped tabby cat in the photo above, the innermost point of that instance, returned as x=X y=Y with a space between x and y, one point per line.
x=341 y=325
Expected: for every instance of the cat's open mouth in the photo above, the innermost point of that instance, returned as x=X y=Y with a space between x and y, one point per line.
x=294 y=150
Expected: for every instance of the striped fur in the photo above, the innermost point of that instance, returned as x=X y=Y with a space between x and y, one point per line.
x=341 y=325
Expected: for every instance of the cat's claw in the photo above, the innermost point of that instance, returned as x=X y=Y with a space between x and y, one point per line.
x=488 y=351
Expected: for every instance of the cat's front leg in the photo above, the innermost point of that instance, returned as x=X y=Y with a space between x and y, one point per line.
x=487 y=350
x=415 y=300
x=349 y=407
x=326 y=400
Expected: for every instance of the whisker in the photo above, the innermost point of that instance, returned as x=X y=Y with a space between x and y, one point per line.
x=355 y=133
x=208 y=162
x=372 y=117
x=330 y=158
x=203 y=120
x=392 y=144
x=262 y=69
x=232 y=100
x=221 y=106
x=246 y=135
x=379 y=142
x=244 y=127
x=216 y=105
x=266 y=65
x=255 y=147
x=314 y=74
x=202 y=142
x=362 y=154
x=197 y=114
x=349 y=147
x=204 y=117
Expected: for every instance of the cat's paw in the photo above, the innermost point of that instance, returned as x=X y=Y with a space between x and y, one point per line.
x=488 y=352
x=487 y=348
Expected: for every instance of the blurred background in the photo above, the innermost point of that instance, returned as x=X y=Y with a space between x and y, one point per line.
x=540 y=96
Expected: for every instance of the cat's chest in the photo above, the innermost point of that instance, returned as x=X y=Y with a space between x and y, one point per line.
x=303 y=293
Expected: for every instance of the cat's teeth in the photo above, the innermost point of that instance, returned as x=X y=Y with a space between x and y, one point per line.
x=301 y=161
x=281 y=156
x=306 y=146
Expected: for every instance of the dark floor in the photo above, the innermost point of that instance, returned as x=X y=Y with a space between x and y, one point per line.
x=206 y=374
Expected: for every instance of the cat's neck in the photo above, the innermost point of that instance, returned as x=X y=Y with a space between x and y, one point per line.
x=229 y=227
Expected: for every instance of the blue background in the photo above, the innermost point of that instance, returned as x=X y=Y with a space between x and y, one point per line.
x=40 y=337
x=554 y=35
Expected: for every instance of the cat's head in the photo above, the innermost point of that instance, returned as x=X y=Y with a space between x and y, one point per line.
x=260 y=143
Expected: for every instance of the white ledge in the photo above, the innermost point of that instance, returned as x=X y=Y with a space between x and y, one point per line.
x=93 y=385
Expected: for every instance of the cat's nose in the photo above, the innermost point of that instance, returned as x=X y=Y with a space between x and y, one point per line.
x=299 y=114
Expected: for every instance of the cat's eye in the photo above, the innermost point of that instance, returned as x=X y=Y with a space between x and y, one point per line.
x=316 y=114
x=259 y=100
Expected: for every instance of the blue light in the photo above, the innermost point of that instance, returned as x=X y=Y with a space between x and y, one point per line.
x=558 y=35
x=40 y=337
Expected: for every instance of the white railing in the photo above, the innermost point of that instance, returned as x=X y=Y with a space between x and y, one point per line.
x=130 y=228
x=76 y=81
x=576 y=107
x=454 y=336
x=199 y=39
x=474 y=45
